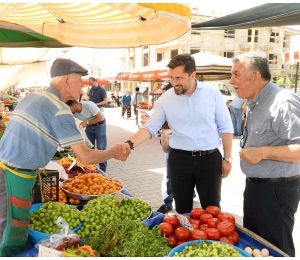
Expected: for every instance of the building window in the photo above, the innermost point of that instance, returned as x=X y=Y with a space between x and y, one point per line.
x=174 y=53
x=229 y=33
x=250 y=35
x=159 y=56
x=272 y=58
x=274 y=37
x=145 y=59
x=193 y=51
x=228 y=54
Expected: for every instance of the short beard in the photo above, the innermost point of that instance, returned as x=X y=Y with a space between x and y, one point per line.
x=180 y=91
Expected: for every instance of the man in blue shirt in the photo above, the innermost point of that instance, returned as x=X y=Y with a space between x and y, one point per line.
x=40 y=124
x=126 y=104
x=97 y=94
x=94 y=123
x=198 y=117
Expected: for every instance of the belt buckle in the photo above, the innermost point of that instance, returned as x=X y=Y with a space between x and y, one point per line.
x=196 y=153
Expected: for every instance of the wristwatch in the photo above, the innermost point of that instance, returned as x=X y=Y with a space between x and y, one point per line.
x=131 y=144
x=228 y=159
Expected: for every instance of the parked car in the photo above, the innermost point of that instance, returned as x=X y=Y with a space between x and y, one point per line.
x=226 y=93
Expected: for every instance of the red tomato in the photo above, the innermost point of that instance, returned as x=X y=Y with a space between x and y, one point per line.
x=213 y=233
x=225 y=227
x=226 y=240
x=234 y=236
x=166 y=228
x=198 y=234
x=213 y=222
x=182 y=233
x=197 y=212
x=214 y=210
x=203 y=227
x=204 y=217
x=181 y=242
x=172 y=241
x=172 y=219
x=195 y=221
x=195 y=226
x=226 y=216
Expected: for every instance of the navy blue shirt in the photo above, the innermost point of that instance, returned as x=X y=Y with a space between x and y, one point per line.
x=97 y=94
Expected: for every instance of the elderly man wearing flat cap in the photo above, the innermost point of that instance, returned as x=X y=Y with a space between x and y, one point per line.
x=40 y=124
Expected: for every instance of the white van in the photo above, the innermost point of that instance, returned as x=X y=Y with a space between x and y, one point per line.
x=228 y=96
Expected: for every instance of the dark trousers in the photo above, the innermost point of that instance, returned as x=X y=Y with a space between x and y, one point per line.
x=97 y=135
x=128 y=109
x=188 y=171
x=168 y=196
x=269 y=210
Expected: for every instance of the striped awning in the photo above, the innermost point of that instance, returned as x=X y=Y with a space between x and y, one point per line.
x=102 y=25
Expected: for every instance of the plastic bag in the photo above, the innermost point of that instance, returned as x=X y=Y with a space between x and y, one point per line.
x=62 y=240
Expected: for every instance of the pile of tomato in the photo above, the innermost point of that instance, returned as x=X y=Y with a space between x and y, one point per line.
x=211 y=224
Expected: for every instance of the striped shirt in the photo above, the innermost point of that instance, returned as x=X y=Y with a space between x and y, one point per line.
x=39 y=125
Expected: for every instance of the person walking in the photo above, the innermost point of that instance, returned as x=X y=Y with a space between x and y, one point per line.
x=97 y=94
x=198 y=117
x=236 y=112
x=40 y=124
x=270 y=154
x=126 y=104
x=94 y=123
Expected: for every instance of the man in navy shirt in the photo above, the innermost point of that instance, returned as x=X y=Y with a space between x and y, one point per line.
x=97 y=94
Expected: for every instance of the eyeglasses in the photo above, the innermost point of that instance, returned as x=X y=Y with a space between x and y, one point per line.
x=244 y=137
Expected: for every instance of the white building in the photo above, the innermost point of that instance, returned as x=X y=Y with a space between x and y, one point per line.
x=228 y=43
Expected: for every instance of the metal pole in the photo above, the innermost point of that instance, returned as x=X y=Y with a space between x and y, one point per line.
x=296 y=77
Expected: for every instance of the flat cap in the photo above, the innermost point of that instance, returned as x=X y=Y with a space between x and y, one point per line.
x=62 y=67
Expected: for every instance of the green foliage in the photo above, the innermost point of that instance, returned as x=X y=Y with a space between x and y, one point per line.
x=128 y=239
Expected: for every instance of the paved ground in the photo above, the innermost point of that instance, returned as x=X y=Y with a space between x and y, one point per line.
x=143 y=174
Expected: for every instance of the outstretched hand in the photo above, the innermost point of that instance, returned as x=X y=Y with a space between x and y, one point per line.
x=121 y=151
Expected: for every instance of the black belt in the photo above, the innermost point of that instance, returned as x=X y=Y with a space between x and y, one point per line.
x=19 y=169
x=273 y=180
x=196 y=153
x=99 y=123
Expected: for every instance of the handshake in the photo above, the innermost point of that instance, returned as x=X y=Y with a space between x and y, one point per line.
x=120 y=151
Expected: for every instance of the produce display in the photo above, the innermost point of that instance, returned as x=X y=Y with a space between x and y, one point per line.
x=91 y=184
x=106 y=209
x=79 y=168
x=43 y=220
x=211 y=224
x=4 y=117
x=208 y=249
x=127 y=238
x=144 y=105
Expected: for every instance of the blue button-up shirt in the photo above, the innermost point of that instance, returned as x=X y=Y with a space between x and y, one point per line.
x=196 y=121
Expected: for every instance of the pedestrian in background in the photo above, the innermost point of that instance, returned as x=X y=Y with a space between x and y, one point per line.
x=236 y=112
x=93 y=121
x=126 y=104
x=198 y=116
x=97 y=94
x=270 y=155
